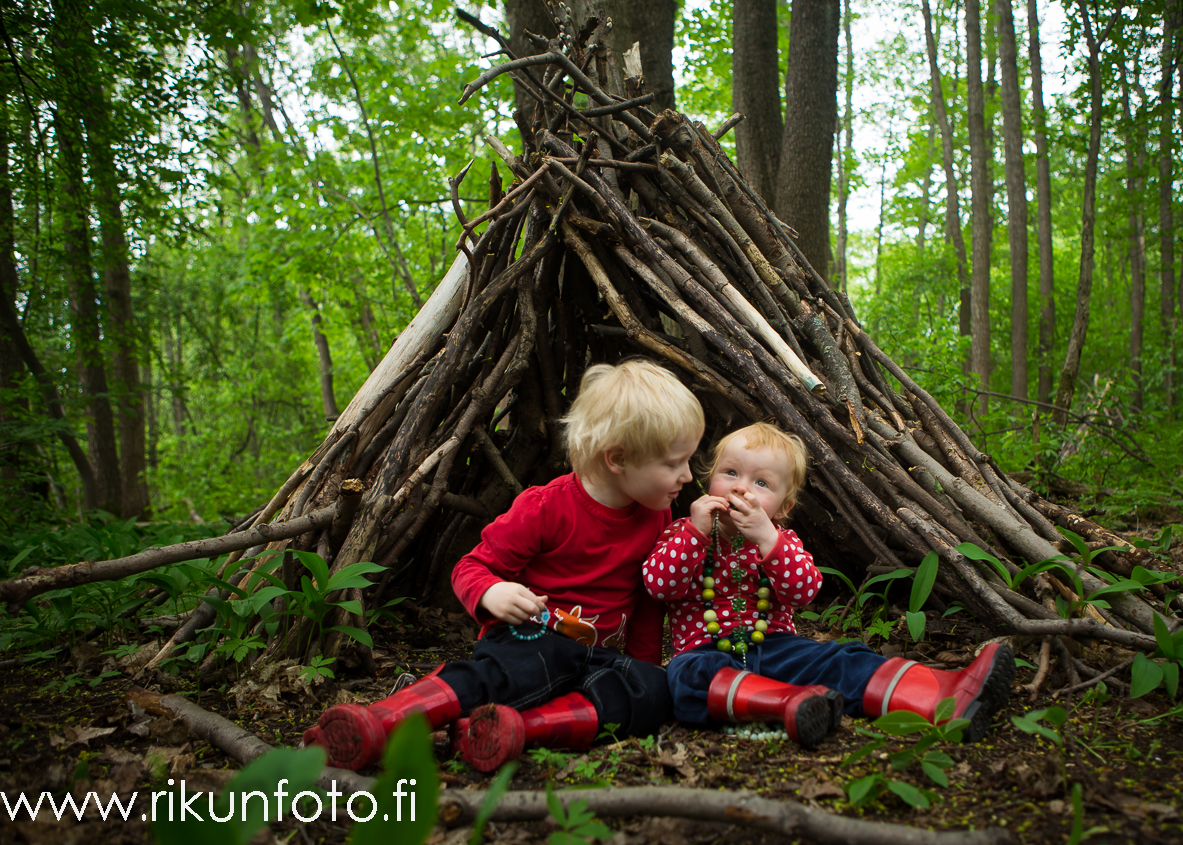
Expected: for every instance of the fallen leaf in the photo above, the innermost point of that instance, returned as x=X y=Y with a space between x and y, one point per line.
x=78 y=736
x=812 y=789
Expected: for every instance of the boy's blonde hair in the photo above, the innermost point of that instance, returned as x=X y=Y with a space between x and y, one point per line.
x=635 y=405
x=763 y=435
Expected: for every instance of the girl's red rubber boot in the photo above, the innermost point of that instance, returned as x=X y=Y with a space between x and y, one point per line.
x=808 y=713
x=355 y=736
x=496 y=734
x=979 y=690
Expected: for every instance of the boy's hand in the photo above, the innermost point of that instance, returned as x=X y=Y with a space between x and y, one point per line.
x=511 y=602
x=752 y=522
x=703 y=510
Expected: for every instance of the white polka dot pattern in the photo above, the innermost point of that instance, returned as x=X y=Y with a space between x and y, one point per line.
x=673 y=574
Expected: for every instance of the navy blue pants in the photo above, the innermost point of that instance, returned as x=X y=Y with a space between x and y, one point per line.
x=846 y=667
x=526 y=673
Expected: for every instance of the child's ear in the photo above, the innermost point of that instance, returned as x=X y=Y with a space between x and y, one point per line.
x=614 y=459
x=784 y=510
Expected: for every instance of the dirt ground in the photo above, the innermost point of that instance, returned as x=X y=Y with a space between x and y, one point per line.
x=63 y=725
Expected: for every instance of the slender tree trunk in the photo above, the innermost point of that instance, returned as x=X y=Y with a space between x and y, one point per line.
x=324 y=359
x=811 y=112
x=981 y=219
x=74 y=214
x=121 y=328
x=1016 y=196
x=845 y=147
x=1166 y=223
x=926 y=187
x=522 y=16
x=952 y=202
x=1088 y=218
x=370 y=343
x=755 y=93
x=1135 y=165
x=1043 y=205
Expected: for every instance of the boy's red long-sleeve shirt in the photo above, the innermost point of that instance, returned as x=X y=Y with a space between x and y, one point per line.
x=583 y=556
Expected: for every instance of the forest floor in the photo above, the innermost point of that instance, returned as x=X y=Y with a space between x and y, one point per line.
x=69 y=725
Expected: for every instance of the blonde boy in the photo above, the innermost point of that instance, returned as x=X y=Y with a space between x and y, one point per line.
x=556 y=584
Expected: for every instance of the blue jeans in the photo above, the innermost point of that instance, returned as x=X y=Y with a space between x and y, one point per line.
x=526 y=673
x=846 y=667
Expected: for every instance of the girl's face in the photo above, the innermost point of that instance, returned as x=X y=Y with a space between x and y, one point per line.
x=757 y=476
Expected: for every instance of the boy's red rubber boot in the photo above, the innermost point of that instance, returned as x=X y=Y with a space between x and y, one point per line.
x=496 y=734
x=980 y=689
x=355 y=736
x=808 y=715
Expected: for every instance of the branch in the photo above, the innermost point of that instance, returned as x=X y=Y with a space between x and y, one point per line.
x=19 y=590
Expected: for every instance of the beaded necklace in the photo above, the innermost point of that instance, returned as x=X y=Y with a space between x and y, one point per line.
x=542 y=620
x=743 y=638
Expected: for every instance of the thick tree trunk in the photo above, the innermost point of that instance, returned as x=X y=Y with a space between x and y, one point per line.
x=811 y=109
x=981 y=220
x=952 y=200
x=651 y=24
x=1016 y=195
x=1088 y=220
x=1043 y=204
x=755 y=93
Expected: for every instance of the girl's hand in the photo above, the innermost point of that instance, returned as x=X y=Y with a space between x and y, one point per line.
x=511 y=602
x=703 y=510
x=750 y=520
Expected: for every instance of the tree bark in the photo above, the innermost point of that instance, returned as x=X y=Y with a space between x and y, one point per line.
x=1043 y=204
x=323 y=357
x=652 y=25
x=952 y=201
x=85 y=305
x=1088 y=219
x=121 y=326
x=1016 y=195
x=845 y=152
x=1135 y=148
x=981 y=220
x=755 y=93
x=811 y=112
x=1166 y=222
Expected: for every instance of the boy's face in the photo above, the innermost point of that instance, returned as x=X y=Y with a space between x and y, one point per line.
x=755 y=475
x=656 y=483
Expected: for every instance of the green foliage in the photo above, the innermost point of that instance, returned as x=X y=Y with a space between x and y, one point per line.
x=244 y=814
x=933 y=761
x=408 y=760
x=492 y=796
x=577 y=825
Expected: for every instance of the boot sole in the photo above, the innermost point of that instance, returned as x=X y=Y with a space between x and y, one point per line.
x=351 y=736
x=496 y=735
x=992 y=697
x=811 y=722
x=837 y=705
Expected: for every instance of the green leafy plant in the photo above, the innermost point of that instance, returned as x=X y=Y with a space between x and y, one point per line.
x=298 y=769
x=496 y=789
x=932 y=760
x=409 y=760
x=319 y=667
x=1147 y=673
x=577 y=825
x=922 y=584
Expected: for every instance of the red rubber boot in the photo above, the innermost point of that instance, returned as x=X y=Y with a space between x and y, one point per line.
x=808 y=713
x=496 y=734
x=355 y=736
x=980 y=689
